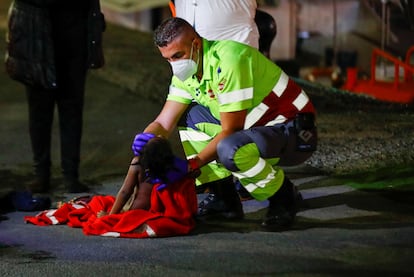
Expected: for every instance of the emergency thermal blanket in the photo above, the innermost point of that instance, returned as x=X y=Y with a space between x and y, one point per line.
x=171 y=214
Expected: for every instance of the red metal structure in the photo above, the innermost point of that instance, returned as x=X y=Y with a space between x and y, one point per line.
x=397 y=89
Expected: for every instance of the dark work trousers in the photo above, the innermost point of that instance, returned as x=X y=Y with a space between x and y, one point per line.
x=70 y=43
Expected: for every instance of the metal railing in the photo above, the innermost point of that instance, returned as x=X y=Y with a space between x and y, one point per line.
x=405 y=65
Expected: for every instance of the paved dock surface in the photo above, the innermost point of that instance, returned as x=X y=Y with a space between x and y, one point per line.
x=340 y=232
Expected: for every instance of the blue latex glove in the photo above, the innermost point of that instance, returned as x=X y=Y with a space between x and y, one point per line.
x=178 y=172
x=140 y=141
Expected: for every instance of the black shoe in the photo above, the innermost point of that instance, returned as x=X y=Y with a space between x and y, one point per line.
x=278 y=217
x=212 y=205
x=299 y=197
x=74 y=186
x=300 y=202
x=39 y=185
x=222 y=200
x=283 y=206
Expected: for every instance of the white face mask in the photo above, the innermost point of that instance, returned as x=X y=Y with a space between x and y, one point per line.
x=185 y=68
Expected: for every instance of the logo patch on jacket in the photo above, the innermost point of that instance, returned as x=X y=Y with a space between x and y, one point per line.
x=222 y=84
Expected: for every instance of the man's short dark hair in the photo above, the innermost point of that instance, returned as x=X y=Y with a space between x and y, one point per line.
x=169 y=30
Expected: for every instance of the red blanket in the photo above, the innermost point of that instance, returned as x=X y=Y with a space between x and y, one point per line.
x=172 y=213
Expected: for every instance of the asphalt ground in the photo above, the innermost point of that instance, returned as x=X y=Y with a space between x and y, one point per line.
x=340 y=230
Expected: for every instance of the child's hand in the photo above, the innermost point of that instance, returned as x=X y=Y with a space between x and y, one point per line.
x=101 y=214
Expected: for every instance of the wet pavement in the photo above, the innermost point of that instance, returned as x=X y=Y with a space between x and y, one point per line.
x=340 y=230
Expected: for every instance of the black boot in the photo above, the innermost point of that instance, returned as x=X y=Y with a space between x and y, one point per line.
x=283 y=206
x=222 y=200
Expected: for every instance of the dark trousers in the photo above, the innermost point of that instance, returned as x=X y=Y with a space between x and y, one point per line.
x=69 y=34
x=68 y=99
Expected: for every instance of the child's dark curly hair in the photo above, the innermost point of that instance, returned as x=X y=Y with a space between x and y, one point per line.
x=157 y=158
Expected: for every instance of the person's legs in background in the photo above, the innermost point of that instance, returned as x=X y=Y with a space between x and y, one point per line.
x=70 y=37
x=70 y=108
x=41 y=105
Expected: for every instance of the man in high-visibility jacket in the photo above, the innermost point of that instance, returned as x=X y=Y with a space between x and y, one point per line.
x=240 y=115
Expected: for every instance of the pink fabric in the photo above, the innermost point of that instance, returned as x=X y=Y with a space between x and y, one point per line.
x=171 y=214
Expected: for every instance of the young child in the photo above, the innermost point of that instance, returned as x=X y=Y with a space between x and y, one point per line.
x=156 y=164
x=157 y=199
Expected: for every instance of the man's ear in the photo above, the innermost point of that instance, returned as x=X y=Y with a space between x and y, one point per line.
x=198 y=43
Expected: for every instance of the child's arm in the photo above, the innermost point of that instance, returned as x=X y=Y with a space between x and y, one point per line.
x=125 y=192
x=131 y=180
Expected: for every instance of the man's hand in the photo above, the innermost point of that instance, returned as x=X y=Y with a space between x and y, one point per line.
x=194 y=167
x=140 y=141
x=180 y=170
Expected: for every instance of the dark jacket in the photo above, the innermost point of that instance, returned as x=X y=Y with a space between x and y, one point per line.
x=30 y=53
